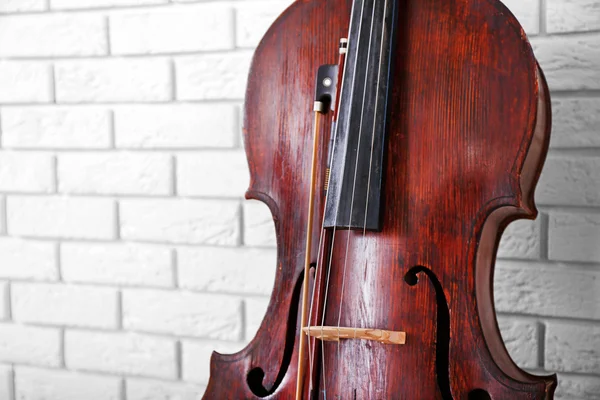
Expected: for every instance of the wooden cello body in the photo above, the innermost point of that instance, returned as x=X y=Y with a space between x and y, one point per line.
x=468 y=125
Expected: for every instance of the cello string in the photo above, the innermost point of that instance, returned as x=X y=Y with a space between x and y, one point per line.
x=362 y=114
x=330 y=258
x=321 y=235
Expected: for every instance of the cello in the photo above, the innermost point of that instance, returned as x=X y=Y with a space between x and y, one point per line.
x=393 y=141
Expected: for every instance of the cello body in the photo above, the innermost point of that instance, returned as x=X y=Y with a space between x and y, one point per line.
x=468 y=131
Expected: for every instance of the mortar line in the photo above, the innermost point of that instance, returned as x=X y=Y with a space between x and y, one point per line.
x=544 y=235
x=112 y=126
x=63 y=350
x=13 y=383
x=108 y=41
x=178 y=360
x=234 y=30
x=173 y=76
x=117 y=221
x=542 y=17
x=175 y=269
x=174 y=166
x=55 y=178
x=8 y=298
x=243 y=320
x=119 y=304
x=52 y=84
x=541 y=344
x=123 y=388
x=58 y=260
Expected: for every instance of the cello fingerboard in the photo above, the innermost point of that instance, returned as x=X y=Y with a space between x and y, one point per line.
x=356 y=181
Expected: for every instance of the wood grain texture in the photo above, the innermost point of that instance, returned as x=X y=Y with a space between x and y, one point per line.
x=469 y=130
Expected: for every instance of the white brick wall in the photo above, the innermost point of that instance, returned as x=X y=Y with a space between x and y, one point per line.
x=121 y=353
x=126 y=252
x=55 y=128
x=31 y=345
x=25 y=82
x=53 y=35
x=117 y=264
x=64 y=305
x=43 y=384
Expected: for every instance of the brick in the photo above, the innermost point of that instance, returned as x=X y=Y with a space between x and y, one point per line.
x=573 y=237
x=527 y=12
x=25 y=82
x=573 y=347
x=43 y=384
x=26 y=259
x=191 y=29
x=61 y=217
x=55 y=128
x=521 y=340
x=196 y=358
x=181 y=221
x=259 y=229
x=253 y=20
x=10 y=6
x=115 y=173
x=577 y=388
x=140 y=389
x=26 y=172
x=255 y=310
x=541 y=289
x=212 y=76
x=575 y=123
x=572 y=15
x=6 y=382
x=81 y=306
x=570 y=180
x=117 y=264
x=569 y=62
x=113 y=80
x=121 y=353
x=48 y=35
x=181 y=313
x=231 y=181
x=73 y=4
x=177 y=126
x=521 y=240
x=30 y=345
x=239 y=270
x=4 y=301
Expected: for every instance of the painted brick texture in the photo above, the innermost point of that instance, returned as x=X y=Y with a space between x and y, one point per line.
x=126 y=251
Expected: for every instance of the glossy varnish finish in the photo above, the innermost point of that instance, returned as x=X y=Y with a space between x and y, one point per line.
x=469 y=124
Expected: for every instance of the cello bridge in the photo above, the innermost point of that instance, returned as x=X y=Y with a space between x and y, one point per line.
x=334 y=334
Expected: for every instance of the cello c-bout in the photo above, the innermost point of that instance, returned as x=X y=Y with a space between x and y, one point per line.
x=440 y=131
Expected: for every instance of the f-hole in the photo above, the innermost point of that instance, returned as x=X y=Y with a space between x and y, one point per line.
x=442 y=348
x=256 y=375
x=479 y=394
